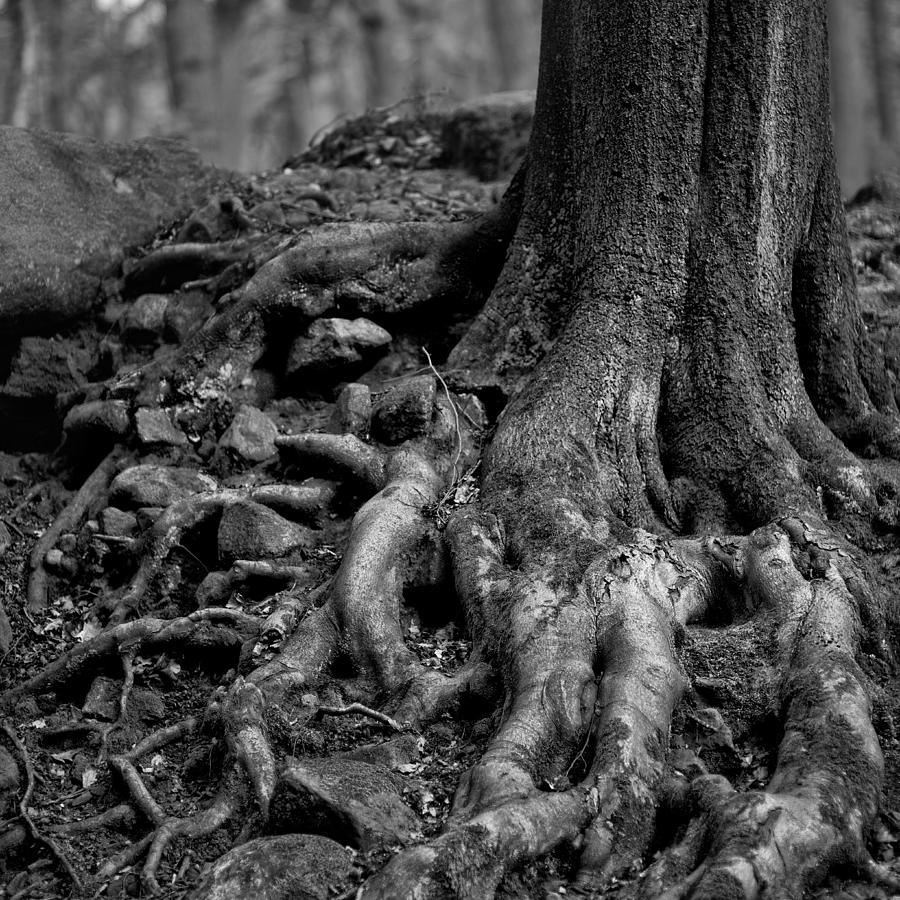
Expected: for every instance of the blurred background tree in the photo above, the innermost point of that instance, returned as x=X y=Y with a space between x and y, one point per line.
x=249 y=82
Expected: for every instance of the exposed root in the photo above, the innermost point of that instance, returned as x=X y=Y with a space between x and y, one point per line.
x=24 y=815
x=341 y=456
x=169 y=266
x=217 y=814
x=127 y=685
x=204 y=628
x=245 y=735
x=88 y=497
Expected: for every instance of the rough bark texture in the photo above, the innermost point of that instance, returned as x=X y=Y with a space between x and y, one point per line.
x=691 y=404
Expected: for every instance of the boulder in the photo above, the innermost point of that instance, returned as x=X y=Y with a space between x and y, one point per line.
x=284 y=867
x=405 y=411
x=352 y=410
x=155 y=427
x=333 y=347
x=156 y=486
x=488 y=136
x=250 y=436
x=249 y=530
x=70 y=207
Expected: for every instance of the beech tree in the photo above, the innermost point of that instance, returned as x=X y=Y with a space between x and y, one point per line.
x=691 y=413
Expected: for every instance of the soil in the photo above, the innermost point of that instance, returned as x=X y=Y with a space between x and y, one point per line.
x=60 y=731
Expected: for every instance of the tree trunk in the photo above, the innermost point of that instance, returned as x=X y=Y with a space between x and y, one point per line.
x=677 y=329
x=377 y=20
x=191 y=56
x=692 y=414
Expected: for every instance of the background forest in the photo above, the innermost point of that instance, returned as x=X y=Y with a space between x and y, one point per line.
x=250 y=82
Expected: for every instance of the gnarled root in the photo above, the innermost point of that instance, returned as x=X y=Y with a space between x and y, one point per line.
x=819 y=804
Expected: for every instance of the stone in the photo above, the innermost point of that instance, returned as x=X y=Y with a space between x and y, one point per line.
x=214 y=590
x=48 y=366
x=152 y=485
x=284 y=867
x=405 y=411
x=118 y=523
x=250 y=436
x=488 y=136
x=102 y=701
x=331 y=347
x=71 y=207
x=352 y=410
x=145 y=319
x=155 y=427
x=185 y=315
x=97 y=419
x=40 y=370
x=352 y=802
x=385 y=211
x=249 y=530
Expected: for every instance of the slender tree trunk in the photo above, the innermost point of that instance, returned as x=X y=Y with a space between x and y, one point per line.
x=379 y=26
x=887 y=68
x=193 y=83
x=511 y=26
x=12 y=47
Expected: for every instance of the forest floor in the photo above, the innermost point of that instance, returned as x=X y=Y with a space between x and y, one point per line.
x=71 y=734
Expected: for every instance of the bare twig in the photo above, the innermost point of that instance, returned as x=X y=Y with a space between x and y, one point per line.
x=359 y=710
x=459 y=440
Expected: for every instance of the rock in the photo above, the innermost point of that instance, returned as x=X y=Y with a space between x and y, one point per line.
x=488 y=136
x=69 y=209
x=250 y=530
x=102 y=701
x=352 y=410
x=185 y=314
x=48 y=366
x=285 y=867
x=353 y=802
x=146 y=706
x=97 y=420
x=145 y=319
x=331 y=347
x=214 y=590
x=405 y=411
x=269 y=211
x=250 y=436
x=151 y=485
x=118 y=523
x=41 y=369
x=155 y=427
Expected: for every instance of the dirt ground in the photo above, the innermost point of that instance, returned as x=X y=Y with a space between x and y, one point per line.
x=71 y=734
